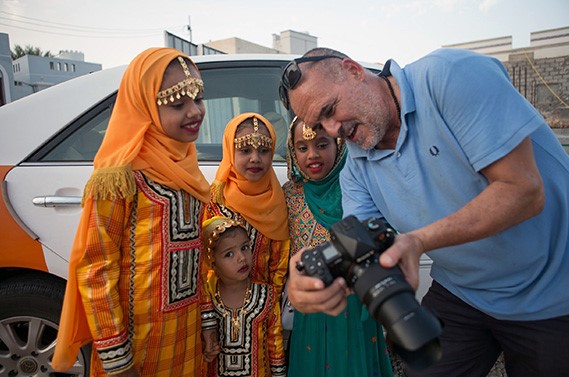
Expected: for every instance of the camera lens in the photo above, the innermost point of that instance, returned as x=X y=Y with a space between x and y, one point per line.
x=391 y=301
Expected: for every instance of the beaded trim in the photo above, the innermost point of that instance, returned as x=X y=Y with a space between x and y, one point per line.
x=190 y=87
x=254 y=139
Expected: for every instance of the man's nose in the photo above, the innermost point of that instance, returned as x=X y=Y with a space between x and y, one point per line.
x=331 y=127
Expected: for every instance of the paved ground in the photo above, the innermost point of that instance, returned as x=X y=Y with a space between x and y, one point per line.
x=497 y=371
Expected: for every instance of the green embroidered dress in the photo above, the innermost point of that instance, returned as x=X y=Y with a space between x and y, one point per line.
x=348 y=345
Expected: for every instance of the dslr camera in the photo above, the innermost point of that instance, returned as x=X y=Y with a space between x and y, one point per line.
x=353 y=252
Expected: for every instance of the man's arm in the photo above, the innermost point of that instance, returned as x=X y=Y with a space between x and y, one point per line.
x=514 y=194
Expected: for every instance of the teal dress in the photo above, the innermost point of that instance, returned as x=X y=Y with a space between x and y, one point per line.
x=350 y=344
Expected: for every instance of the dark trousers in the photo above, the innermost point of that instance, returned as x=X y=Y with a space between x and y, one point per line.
x=472 y=341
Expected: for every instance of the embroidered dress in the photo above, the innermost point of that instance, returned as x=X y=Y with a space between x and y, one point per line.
x=148 y=306
x=250 y=336
x=135 y=276
x=270 y=257
x=260 y=205
x=350 y=344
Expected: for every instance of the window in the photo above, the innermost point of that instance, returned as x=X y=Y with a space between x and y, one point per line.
x=228 y=91
x=52 y=66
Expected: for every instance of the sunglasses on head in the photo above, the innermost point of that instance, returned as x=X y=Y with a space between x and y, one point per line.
x=291 y=75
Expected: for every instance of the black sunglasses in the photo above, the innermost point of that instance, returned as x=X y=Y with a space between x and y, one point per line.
x=292 y=74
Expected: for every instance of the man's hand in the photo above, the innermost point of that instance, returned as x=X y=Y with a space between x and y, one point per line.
x=308 y=295
x=210 y=344
x=405 y=251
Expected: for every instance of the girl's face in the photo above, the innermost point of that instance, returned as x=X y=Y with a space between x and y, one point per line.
x=252 y=163
x=181 y=119
x=232 y=256
x=314 y=157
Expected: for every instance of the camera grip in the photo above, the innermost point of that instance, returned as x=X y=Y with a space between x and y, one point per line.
x=312 y=263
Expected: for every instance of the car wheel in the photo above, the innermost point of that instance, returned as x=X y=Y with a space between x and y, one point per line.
x=30 y=307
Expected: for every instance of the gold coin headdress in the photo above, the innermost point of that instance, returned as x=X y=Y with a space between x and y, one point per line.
x=255 y=139
x=190 y=87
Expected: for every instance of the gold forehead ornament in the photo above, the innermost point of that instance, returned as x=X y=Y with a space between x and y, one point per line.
x=219 y=230
x=307 y=132
x=255 y=139
x=190 y=87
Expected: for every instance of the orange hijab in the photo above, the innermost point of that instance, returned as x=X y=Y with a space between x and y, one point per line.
x=261 y=203
x=134 y=140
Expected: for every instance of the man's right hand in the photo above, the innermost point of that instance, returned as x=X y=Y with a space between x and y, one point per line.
x=406 y=252
x=308 y=294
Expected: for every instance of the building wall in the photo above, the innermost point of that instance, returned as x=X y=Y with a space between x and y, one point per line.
x=6 y=75
x=545 y=84
x=239 y=46
x=540 y=72
x=34 y=73
x=294 y=42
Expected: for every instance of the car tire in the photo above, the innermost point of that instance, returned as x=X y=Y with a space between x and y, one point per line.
x=30 y=307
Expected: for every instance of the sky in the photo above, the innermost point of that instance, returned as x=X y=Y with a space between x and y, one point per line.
x=112 y=32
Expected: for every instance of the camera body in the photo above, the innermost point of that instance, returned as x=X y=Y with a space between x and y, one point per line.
x=353 y=253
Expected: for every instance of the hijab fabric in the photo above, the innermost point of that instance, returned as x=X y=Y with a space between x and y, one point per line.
x=135 y=140
x=261 y=203
x=323 y=197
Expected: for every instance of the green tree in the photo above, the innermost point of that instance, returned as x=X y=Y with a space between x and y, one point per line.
x=20 y=51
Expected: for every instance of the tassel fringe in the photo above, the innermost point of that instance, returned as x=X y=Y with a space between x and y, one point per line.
x=217 y=192
x=110 y=184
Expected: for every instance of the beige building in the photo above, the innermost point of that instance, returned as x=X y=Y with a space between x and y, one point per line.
x=540 y=71
x=287 y=42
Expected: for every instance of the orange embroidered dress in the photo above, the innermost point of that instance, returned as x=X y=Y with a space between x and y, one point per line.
x=260 y=205
x=136 y=288
x=146 y=305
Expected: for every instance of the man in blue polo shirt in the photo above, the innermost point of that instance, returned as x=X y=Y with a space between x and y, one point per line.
x=467 y=170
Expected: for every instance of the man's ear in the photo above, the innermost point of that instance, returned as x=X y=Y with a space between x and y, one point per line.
x=353 y=69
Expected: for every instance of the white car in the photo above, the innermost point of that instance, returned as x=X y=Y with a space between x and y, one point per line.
x=47 y=144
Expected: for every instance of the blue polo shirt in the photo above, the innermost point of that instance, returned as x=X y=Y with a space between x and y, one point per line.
x=460 y=114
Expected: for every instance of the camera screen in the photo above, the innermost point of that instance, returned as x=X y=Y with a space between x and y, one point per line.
x=329 y=252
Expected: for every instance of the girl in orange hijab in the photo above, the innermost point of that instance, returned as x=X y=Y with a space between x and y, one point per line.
x=135 y=285
x=246 y=188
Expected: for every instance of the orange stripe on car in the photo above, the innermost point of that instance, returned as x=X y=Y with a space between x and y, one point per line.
x=17 y=248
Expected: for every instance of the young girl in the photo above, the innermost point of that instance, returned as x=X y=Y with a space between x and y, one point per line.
x=248 y=313
x=135 y=282
x=351 y=344
x=246 y=188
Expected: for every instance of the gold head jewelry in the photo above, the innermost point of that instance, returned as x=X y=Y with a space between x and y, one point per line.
x=190 y=87
x=307 y=132
x=219 y=225
x=255 y=139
